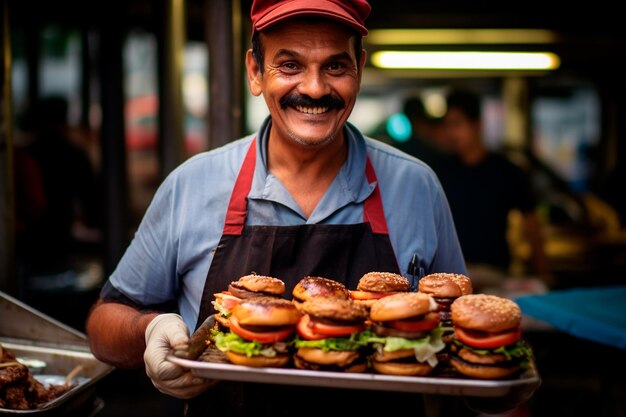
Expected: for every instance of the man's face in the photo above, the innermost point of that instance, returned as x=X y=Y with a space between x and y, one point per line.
x=460 y=133
x=310 y=80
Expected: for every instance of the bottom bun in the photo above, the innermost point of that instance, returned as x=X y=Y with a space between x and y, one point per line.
x=258 y=361
x=401 y=368
x=359 y=366
x=482 y=371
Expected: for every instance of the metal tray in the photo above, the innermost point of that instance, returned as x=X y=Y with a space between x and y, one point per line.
x=527 y=382
x=34 y=336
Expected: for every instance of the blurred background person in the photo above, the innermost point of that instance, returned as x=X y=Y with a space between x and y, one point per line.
x=421 y=142
x=484 y=187
x=70 y=191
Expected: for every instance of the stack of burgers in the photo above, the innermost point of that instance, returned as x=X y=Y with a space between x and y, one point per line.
x=255 y=324
x=246 y=287
x=445 y=288
x=381 y=326
x=488 y=343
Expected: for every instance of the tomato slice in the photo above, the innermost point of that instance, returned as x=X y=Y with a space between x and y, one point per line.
x=335 y=330
x=227 y=300
x=484 y=340
x=429 y=322
x=261 y=337
x=368 y=295
x=305 y=329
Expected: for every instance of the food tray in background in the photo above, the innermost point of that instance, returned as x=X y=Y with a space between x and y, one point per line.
x=53 y=351
x=527 y=382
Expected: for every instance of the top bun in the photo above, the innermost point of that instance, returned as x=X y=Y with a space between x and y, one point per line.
x=338 y=309
x=445 y=285
x=383 y=282
x=309 y=287
x=260 y=283
x=401 y=306
x=485 y=312
x=266 y=311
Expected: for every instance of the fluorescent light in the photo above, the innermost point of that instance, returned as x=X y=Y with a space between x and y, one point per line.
x=460 y=36
x=466 y=60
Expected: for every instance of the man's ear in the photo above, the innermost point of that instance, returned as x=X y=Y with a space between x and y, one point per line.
x=253 y=72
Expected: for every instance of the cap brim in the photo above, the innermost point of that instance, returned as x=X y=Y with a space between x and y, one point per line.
x=295 y=9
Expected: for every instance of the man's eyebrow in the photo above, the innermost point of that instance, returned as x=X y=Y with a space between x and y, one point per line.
x=288 y=53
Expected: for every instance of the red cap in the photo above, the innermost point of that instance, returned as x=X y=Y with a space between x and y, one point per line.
x=265 y=13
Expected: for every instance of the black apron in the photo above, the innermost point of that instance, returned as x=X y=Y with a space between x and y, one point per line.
x=340 y=252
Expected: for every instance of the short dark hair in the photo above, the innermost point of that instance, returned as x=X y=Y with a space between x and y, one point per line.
x=466 y=101
x=257 y=49
x=414 y=107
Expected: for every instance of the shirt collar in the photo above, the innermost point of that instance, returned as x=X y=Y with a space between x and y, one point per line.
x=350 y=185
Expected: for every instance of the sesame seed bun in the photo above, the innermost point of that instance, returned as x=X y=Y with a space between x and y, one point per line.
x=482 y=371
x=485 y=312
x=310 y=286
x=257 y=284
x=383 y=282
x=445 y=285
x=258 y=361
x=402 y=368
x=401 y=306
x=266 y=311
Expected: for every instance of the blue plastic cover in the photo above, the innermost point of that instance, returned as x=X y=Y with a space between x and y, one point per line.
x=597 y=313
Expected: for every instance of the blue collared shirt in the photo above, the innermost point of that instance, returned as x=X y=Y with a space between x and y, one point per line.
x=172 y=249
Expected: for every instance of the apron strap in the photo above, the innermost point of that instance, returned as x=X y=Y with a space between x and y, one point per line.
x=238 y=205
x=373 y=212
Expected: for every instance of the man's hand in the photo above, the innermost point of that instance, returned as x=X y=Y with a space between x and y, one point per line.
x=163 y=333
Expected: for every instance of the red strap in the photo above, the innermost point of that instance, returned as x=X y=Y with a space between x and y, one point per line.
x=238 y=205
x=373 y=206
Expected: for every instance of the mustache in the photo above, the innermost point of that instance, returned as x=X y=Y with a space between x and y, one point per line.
x=330 y=101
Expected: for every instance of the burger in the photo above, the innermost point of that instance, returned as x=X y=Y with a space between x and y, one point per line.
x=488 y=336
x=310 y=286
x=445 y=288
x=261 y=332
x=328 y=335
x=375 y=285
x=248 y=286
x=405 y=334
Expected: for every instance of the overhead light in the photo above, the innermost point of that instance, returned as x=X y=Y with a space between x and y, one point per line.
x=460 y=36
x=476 y=60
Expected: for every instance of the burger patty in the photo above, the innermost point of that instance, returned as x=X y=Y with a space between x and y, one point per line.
x=503 y=364
x=381 y=330
x=489 y=359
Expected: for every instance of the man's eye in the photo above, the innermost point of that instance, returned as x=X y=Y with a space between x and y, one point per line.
x=289 y=66
x=336 y=67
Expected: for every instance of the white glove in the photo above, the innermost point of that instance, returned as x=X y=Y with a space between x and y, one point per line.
x=164 y=332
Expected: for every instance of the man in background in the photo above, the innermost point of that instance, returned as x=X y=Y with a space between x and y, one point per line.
x=483 y=188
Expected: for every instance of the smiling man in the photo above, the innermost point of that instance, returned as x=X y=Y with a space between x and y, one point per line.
x=306 y=195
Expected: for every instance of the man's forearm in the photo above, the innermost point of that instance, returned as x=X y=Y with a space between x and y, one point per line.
x=116 y=334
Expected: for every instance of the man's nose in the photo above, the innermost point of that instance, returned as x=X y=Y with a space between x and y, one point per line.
x=314 y=84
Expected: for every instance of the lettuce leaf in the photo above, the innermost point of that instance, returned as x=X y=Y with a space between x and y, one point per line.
x=425 y=348
x=519 y=350
x=230 y=341
x=333 y=343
